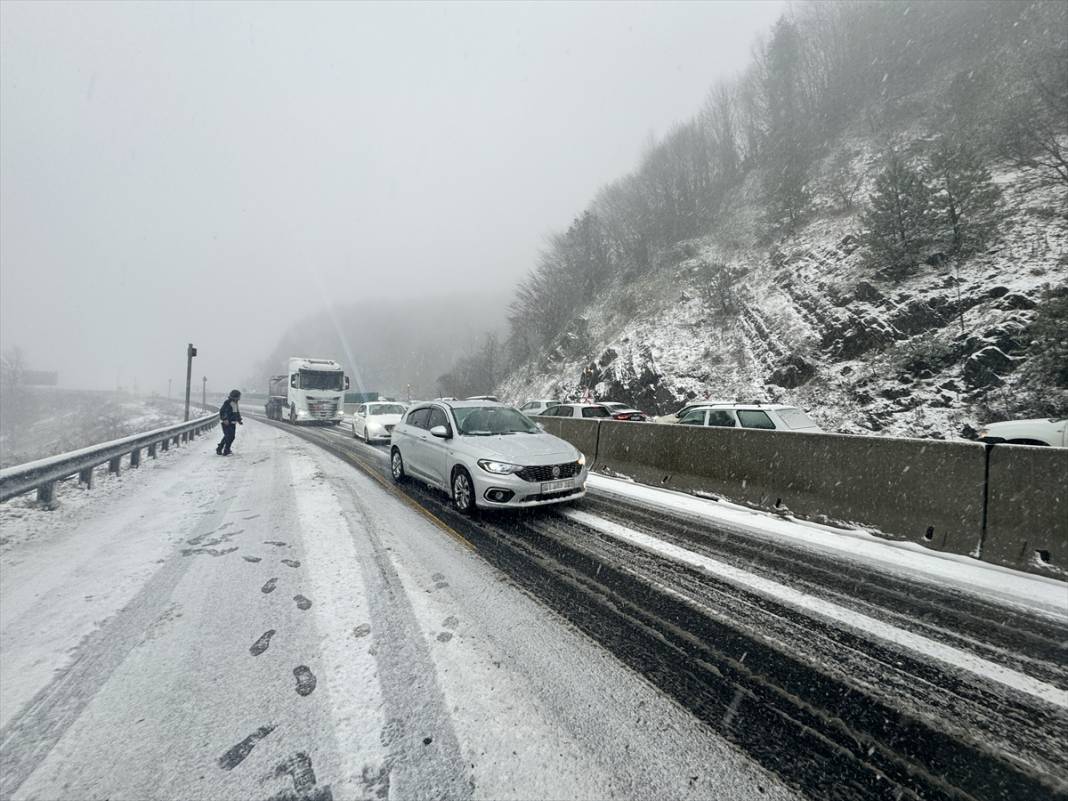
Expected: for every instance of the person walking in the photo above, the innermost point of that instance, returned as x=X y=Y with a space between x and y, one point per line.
x=230 y=417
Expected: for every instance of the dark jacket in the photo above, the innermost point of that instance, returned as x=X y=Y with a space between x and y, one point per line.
x=230 y=412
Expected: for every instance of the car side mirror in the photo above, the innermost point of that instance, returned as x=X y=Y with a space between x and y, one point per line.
x=347 y=382
x=441 y=432
x=293 y=381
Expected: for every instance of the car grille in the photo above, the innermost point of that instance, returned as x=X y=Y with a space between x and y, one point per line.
x=545 y=472
x=548 y=496
x=388 y=427
x=322 y=409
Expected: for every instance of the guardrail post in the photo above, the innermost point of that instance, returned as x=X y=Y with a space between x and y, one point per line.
x=152 y=450
x=86 y=477
x=46 y=494
x=115 y=465
x=166 y=444
x=135 y=457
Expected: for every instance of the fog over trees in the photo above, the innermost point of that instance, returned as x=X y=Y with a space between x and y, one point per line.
x=942 y=88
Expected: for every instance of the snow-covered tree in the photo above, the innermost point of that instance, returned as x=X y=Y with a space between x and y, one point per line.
x=897 y=222
x=965 y=199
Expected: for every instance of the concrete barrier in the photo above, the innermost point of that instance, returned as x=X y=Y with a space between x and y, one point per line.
x=1027 y=509
x=580 y=433
x=924 y=491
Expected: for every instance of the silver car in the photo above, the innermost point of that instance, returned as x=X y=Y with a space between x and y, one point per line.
x=485 y=454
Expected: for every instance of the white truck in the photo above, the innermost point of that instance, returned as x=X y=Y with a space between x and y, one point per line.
x=316 y=391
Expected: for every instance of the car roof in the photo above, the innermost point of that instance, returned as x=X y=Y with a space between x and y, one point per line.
x=745 y=407
x=477 y=404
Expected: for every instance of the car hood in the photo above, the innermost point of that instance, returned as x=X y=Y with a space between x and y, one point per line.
x=384 y=419
x=524 y=449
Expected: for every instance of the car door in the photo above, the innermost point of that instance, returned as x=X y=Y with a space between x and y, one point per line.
x=436 y=449
x=695 y=417
x=359 y=420
x=415 y=435
x=721 y=418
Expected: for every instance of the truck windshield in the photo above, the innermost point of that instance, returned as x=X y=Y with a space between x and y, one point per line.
x=313 y=379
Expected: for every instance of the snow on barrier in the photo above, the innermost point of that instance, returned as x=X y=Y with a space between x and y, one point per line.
x=1027 y=508
x=924 y=491
x=934 y=493
x=43 y=474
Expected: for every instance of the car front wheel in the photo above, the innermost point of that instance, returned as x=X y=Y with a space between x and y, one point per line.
x=396 y=465
x=463 y=491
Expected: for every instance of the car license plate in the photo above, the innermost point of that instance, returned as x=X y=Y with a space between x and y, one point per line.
x=556 y=486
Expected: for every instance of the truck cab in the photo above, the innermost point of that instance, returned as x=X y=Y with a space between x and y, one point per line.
x=316 y=391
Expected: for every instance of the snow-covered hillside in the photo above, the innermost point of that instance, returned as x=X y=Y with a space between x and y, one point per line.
x=36 y=422
x=727 y=316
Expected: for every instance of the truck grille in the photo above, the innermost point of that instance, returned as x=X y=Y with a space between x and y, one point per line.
x=545 y=472
x=322 y=409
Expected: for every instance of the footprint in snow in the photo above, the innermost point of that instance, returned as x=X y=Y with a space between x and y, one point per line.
x=305 y=680
x=276 y=543
x=261 y=644
x=252 y=558
x=291 y=562
x=269 y=586
x=236 y=755
x=302 y=602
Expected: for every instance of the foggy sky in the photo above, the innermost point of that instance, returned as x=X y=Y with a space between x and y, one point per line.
x=211 y=172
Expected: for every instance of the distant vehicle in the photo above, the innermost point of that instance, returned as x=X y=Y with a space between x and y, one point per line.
x=674 y=418
x=534 y=406
x=771 y=416
x=1051 y=431
x=485 y=454
x=316 y=391
x=375 y=421
x=585 y=410
x=277 y=396
x=493 y=398
x=621 y=411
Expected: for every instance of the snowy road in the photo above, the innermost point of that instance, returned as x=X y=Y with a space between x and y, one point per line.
x=287 y=624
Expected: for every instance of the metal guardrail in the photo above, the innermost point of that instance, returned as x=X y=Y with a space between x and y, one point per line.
x=43 y=474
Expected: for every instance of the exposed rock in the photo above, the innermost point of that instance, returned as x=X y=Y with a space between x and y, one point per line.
x=793 y=372
x=983 y=367
x=866 y=291
x=1016 y=301
x=893 y=393
x=997 y=292
x=848 y=338
x=609 y=356
x=848 y=244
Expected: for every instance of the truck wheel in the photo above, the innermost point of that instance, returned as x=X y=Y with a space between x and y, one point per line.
x=293 y=415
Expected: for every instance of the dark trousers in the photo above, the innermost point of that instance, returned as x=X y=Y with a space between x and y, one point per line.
x=229 y=433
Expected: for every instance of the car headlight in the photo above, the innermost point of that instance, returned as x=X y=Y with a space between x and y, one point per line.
x=499 y=468
x=582 y=459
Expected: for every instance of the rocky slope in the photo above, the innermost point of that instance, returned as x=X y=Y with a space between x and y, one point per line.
x=728 y=316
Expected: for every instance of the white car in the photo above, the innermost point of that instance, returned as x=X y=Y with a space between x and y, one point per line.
x=1041 y=431
x=621 y=411
x=772 y=416
x=537 y=406
x=588 y=411
x=374 y=421
x=674 y=418
x=485 y=454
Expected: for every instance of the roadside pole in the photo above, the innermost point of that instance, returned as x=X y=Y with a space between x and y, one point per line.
x=190 y=352
x=204 y=392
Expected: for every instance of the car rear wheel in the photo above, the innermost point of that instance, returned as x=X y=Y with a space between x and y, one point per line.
x=463 y=491
x=396 y=465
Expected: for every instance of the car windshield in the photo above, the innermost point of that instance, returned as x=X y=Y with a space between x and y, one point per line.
x=385 y=408
x=484 y=421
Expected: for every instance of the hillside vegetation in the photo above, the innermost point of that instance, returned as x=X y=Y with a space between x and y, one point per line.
x=869 y=221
